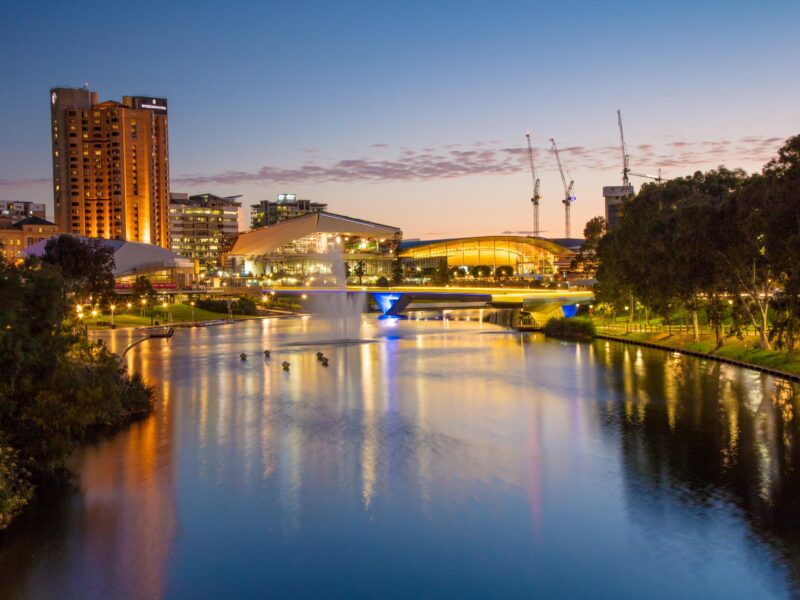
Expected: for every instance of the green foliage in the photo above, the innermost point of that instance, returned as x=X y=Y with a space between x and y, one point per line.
x=576 y=328
x=16 y=489
x=479 y=271
x=55 y=385
x=586 y=260
x=397 y=271
x=504 y=271
x=142 y=289
x=244 y=305
x=719 y=242
x=86 y=265
x=356 y=269
x=382 y=282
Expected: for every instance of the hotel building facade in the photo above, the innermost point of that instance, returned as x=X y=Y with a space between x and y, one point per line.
x=110 y=166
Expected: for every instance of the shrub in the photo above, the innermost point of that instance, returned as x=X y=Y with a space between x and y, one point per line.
x=243 y=306
x=382 y=282
x=15 y=486
x=570 y=329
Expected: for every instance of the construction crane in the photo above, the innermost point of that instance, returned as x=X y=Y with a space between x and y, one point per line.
x=655 y=177
x=625 y=156
x=626 y=169
x=568 y=197
x=536 y=195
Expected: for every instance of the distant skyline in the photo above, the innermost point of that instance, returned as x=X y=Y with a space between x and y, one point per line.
x=414 y=115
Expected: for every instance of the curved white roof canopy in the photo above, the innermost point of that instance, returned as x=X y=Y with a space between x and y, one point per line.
x=264 y=240
x=132 y=257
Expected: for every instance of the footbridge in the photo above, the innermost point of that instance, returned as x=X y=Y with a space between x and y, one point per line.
x=395 y=301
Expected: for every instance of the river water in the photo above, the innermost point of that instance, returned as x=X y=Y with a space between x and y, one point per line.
x=438 y=459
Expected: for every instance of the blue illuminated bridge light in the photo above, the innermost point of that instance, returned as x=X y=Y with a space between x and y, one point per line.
x=386 y=300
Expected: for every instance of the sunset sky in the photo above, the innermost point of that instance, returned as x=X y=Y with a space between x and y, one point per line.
x=413 y=114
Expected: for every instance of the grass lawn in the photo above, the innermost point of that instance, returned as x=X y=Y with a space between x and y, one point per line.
x=746 y=350
x=180 y=313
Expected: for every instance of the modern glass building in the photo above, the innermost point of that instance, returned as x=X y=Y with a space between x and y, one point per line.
x=510 y=255
x=312 y=249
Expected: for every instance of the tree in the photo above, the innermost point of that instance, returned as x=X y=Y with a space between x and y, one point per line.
x=458 y=272
x=397 y=271
x=504 y=271
x=479 y=271
x=87 y=265
x=586 y=260
x=143 y=290
x=359 y=270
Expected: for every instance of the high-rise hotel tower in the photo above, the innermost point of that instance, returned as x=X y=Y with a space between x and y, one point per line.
x=110 y=166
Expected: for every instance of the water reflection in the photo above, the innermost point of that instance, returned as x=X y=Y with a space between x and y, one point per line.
x=438 y=458
x=715 y=434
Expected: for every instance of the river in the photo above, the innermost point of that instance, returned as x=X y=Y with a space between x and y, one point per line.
x=437 y=459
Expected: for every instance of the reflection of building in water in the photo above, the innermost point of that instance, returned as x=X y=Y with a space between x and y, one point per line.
x=714 y=432
x=132 y=516
x=309 y=249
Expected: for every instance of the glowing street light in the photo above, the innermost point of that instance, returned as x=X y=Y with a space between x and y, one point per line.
x=112 y=307
x=192 y=305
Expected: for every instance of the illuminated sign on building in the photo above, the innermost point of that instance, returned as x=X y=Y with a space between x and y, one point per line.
x=287 y=197
x=154 y=104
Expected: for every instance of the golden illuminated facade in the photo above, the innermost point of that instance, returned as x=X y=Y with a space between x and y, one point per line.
x=527 y=256
x=110 y=166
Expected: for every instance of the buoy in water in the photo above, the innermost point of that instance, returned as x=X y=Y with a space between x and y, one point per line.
x=243 y=356
x=320 y=356
x=285 y=365
x=266 y=353
x=324 y=361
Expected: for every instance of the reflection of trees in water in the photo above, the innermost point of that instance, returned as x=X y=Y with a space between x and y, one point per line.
x=703 y=432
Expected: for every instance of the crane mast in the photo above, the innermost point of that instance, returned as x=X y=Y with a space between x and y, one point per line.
x=535 y=180
x=568 y=197
x=625 y=156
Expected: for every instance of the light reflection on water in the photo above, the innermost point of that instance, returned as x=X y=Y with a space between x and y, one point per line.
x=436 y=459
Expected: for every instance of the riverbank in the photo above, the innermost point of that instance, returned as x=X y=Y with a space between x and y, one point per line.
x=175 y=314
x=744 y=353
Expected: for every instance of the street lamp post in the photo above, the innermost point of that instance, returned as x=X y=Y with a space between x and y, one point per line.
x=192 y=305
x=112 y=307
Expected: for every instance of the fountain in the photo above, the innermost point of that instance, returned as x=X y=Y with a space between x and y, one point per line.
x=339 y=309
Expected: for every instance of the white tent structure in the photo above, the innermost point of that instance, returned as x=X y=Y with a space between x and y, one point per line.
x=163 y=267
x=262 y=241
x=318 y=248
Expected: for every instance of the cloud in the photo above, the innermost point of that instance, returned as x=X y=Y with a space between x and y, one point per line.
x=410 y=165
x=14 y=183
x=456 y=160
